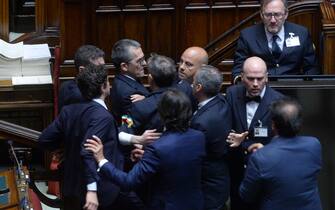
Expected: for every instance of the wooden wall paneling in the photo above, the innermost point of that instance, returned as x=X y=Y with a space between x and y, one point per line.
x=4 y=19
x=161 y=31
x=328 y=63
x=197 y=25
x=134 y=26
x=52 y=12
x=223 y=19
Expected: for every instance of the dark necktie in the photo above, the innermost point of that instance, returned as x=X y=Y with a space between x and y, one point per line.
x=276 y=51
x=253 y=98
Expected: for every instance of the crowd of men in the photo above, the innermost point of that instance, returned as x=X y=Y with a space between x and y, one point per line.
x=181 y=144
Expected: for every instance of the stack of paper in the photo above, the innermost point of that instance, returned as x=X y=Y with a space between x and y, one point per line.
x=28 y=62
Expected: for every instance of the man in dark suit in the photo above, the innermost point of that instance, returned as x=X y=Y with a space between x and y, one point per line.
x=81 y=184
x=285 y=47
x=250 y=103
x=143 y=114
x=190 y=62
x=172 y=164
x=213 y=118
x=283 y=174
x=69 y=92
x=129 y=61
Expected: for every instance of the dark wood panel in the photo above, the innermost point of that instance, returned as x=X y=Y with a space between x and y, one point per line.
x=161 y=32
x=134 y=27
x=52 y=11
x=4 y=19
x=197 y=27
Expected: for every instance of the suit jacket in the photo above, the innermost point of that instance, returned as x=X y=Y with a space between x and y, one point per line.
x=70 y=129
x=185 y=87
x=238 y=157
x=69 y=93
x=214 y=120
x=122 y=88
x=253 y=42
x=283 y=174
x=144 y=114
x=172 y=165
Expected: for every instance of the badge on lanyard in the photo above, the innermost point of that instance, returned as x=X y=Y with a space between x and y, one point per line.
x=292 y=41
x=260 y=131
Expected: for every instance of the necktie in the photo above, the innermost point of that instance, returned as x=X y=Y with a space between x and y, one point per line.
x=276 y=51
x=253 y=98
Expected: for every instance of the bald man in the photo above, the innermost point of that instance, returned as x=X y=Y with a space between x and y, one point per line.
x=250 y=104
x=190 y=62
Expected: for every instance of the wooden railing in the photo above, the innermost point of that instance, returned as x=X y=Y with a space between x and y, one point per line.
x=28 y=138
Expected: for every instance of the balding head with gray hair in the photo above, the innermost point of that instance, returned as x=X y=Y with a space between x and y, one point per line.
x=210 y=79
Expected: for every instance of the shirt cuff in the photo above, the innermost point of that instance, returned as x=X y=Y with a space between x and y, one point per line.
x=101 y=163
x=125 y=138
x=92 y=186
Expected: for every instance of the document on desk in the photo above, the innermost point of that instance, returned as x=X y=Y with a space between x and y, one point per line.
x=32 y=80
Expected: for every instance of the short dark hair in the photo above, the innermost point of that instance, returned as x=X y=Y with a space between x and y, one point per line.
x=162 y=69
x=210 y=78
x=121 y=51
x=265 y=2
x=286 y=116
x=175 y=110
x=91 y=80
x=86 y=54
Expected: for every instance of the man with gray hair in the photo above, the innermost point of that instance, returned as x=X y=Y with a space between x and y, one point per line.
x=213 y=118
x=129 y=61
x=285 y=47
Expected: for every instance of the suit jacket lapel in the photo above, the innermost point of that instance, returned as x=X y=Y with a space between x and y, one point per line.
x=262 y=109
x=241 y=107
x=286 y=50
x=133 y=83
x=206 y=106
x=262 y=41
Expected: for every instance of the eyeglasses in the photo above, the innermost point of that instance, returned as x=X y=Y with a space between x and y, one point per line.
x=276 y=15
x=140 y=61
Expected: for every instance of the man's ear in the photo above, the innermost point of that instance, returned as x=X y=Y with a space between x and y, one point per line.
x=124 y=67
x=80 y=69
x=198 y=87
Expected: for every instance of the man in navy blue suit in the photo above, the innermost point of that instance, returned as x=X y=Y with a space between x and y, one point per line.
x=172 y=164
x=213 y=118
x=129 y=61
x=285 y=47
x=283 y=174
x=249 y=102
x=82 y=187
x=69 y=92
x=143 y=115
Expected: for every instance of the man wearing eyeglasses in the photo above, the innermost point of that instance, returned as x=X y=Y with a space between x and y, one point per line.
x=286 y=47
x=129 y=61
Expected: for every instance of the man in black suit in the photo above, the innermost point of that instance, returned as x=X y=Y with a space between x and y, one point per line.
x=285 y=47
x=284 y=174
x=129 y=61
x=82 y=187
x=249 y=104
x=213 y=118
x=69 y=92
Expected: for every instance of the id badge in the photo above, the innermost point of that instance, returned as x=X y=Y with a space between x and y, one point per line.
x=260 y=132
x=293 y=41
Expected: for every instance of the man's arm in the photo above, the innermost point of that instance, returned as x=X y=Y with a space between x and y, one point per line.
x=251 y=184
x=310 y=65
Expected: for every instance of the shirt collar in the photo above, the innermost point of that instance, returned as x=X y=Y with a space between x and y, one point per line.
x=101 y=102
x=203 y=103
x=280 y=34
x=129 y=77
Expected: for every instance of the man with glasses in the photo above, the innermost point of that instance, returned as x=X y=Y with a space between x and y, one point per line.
x=285 y=47
x=129 y=61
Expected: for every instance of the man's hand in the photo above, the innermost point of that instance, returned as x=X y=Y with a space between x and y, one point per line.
x=137 y=153
x=254 y=147
x=147 y=137
x=235 y=139
x=95 y=146
x=136 y=97
x=92 y=202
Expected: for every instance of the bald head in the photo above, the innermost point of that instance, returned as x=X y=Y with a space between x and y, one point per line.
x=254 y=75
x=191 y=61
